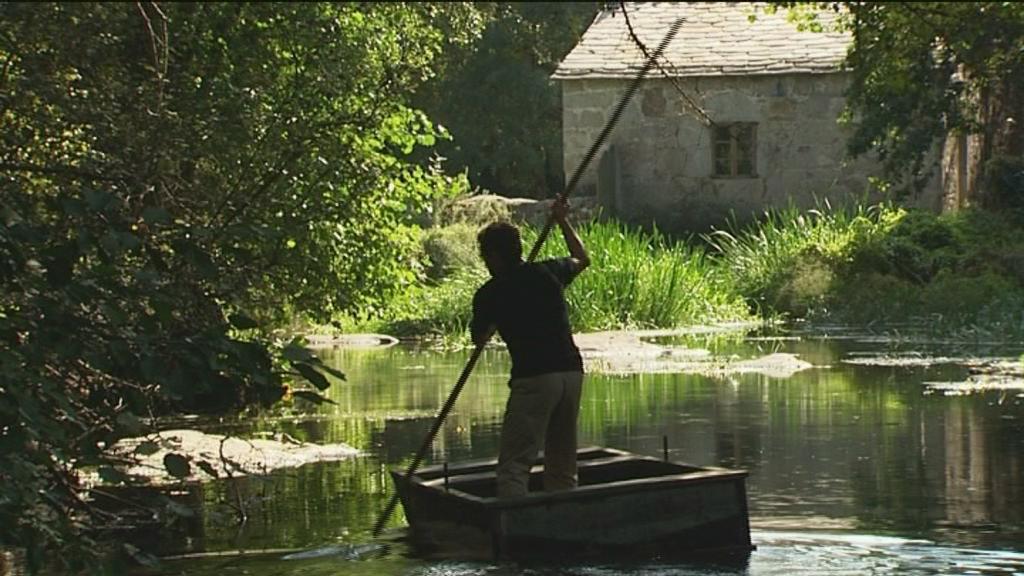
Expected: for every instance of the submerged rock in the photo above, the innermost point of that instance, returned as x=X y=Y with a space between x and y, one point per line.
x=627 y=352
x=979 y=383
x=906 y=361
x=346 y=551
x=212 y=456
x=316 y=341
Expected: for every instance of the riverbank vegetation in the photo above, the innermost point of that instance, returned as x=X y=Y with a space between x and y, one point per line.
x=958 y=274
x=180 y=184
x=173 y=184
x=637 y=280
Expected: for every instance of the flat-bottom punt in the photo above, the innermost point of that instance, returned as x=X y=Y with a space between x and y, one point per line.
x=624 y=504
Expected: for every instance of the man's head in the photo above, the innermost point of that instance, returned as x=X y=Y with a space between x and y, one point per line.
x=500 y=247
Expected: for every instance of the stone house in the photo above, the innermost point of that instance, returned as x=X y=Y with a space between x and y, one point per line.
x=741 y=117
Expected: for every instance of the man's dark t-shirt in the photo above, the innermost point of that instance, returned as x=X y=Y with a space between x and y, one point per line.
x=527 y=305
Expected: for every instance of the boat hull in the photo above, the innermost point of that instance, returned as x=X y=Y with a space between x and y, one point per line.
x=625 y=504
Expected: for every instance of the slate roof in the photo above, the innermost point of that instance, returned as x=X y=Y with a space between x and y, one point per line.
x=716 y=39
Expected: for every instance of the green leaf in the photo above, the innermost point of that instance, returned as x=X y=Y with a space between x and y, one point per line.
x=112 y=475
x=242 y=322
x=130 y=423
x=313 y=397
x=147 y=448
x=310 y=373
x=60 y=263
x=177 y=465
x=332 y=371
x=73 y=207
x=156 y=215
x=98 y=200
x=197 y=257
x=128 y=241
x=205 y=466
x=144 y=558
x=179 y=509
x=295 y=352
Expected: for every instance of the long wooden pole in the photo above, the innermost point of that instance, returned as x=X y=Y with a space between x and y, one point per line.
x=569 y=188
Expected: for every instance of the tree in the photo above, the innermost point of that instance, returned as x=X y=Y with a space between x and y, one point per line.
x=168 y=173
x=496 y=98
x=925 y=70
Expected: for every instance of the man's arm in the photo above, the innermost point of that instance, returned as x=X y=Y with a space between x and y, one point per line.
x=577 y=252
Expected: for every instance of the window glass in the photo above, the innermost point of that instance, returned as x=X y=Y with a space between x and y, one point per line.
x=733 y=151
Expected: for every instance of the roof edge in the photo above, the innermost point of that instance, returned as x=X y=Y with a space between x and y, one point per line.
x=621 y=76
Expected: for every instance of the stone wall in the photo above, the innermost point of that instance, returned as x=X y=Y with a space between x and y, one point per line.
x=657 y=165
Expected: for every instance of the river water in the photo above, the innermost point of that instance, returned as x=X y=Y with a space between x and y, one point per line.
x=860 y=465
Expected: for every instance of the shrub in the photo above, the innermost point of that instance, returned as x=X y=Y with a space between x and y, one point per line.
x=449 y=249
x=1006 y=182
x=781 y=261
x=637 y=280
x=806 y=286
x=955 y=271
x=871 y=297
x=959 y=272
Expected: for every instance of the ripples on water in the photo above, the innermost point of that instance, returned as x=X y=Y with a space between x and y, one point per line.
x=778 y=554
x=835 y=453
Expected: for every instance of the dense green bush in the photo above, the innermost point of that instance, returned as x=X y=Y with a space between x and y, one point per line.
x=1005 y=175
x=952 y=268
x=449 y=249
x=169 y=175
x=497 y=98
x=881 y=265
x=786 y=262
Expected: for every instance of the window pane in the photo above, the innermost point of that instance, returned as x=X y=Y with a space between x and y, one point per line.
x=734 y=149
x=744 y=156
x=722 y=167
x=721 y=155
x=745 y=151
x=745 y=167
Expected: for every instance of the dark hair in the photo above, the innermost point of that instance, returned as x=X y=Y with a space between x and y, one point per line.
x=502 y=239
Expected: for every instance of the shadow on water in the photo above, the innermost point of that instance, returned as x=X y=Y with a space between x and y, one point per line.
x=855 y=467
x=778 y=554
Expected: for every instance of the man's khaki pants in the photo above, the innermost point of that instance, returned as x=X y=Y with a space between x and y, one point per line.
x=541 y=411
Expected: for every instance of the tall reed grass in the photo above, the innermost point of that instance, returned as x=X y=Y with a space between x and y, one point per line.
x=637 y=279
x=783 y=251
x=641 y=279
x=873 y=264
x=439 y=310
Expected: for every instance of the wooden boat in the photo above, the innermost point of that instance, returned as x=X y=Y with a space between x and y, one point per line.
x=625 y=503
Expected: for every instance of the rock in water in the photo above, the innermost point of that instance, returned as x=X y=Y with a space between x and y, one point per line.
x=346 y=551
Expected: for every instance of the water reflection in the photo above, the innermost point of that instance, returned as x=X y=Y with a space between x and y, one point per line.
x=778 y=554
x=842 y=447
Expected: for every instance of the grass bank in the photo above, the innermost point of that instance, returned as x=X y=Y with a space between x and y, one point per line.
x=637 y=280
x=960 y=274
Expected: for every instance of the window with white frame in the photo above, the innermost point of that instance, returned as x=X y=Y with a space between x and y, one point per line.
x=733 y=150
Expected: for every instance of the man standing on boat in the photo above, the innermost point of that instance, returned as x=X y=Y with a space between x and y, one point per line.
x=525 y=302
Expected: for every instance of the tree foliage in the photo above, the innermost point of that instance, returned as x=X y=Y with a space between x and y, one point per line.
x=496 y=97
x=172 y=176
x=923 y=70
